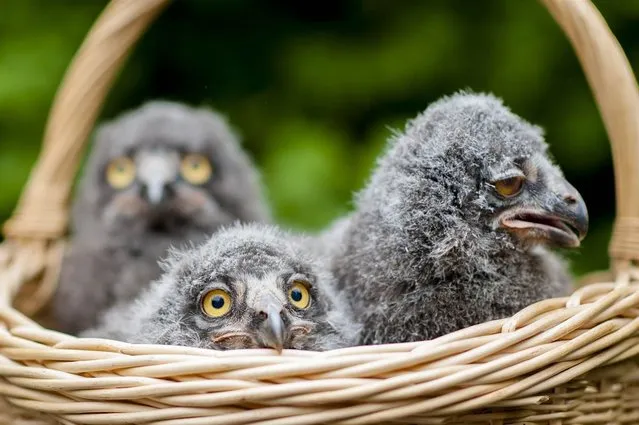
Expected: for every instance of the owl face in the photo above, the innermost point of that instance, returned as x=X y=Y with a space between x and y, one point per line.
x=515 y=187
x=161 y=188
x=251 y=297
x=274 y=310
x=166 y=167
x=495 y=169
x=534 y=203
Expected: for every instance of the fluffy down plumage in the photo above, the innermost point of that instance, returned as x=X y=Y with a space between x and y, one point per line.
x=433 y=244
x=257 y=266
x=161 y=175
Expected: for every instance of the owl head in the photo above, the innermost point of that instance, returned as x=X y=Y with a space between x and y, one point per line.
x=165 y=167
x=249 y=286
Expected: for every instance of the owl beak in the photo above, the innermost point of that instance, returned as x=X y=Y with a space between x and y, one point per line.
x=272 y=327
x=155 y=192
x=157 y=175
x=562 y=222
x=160 y=192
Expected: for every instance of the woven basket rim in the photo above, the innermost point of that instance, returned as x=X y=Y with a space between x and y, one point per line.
x=494 y=365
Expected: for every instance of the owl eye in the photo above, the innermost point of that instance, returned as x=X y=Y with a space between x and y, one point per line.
x=120 y=172
x=299 y=296
x=509 y=187
x=196 y=169
x=216 y=303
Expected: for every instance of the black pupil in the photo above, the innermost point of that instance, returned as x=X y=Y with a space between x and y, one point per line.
x=217 y=302
x=195 y=164
x=296 y=295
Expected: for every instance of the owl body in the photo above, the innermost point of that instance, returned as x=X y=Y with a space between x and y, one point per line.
x=163 y=175
x=456 y=225
x=248 y=286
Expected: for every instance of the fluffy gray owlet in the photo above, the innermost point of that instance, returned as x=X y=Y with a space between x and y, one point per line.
x=249 y=286
x=161 y=175
x=454 y=226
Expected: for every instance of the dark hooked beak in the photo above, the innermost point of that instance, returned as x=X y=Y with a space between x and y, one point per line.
x=271 y=330
x=564 y=223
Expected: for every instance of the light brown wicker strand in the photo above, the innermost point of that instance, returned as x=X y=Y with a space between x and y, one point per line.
x=469 y=381
x=49 y=337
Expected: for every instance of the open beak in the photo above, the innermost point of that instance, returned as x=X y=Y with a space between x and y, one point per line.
x=564 y=224
x=272 y=328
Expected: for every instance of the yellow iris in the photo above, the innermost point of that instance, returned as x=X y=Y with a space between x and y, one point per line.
x=120 y=172
x=216 y=303
x=299 y=296
x=196 y=169
x=510 y=186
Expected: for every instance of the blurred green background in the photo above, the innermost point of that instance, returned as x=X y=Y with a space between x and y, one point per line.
x=314 y=87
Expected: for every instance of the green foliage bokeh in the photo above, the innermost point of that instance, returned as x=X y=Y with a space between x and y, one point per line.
x=315 y=88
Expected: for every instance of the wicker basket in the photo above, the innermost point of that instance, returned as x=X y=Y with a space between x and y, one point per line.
x=563 y=361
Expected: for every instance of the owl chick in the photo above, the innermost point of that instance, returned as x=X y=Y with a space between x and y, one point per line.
x=455 y=225
x=164 y=174
x=249 y=286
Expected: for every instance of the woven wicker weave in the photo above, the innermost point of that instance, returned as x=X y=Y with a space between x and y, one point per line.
x=563 y=361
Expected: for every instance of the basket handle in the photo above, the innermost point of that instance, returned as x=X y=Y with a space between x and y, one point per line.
x=31 y=255
x=42 y=213
x=615 y=89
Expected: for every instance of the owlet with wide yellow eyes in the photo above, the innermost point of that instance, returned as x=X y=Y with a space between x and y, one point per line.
x=248 y=286
x=163 y=175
